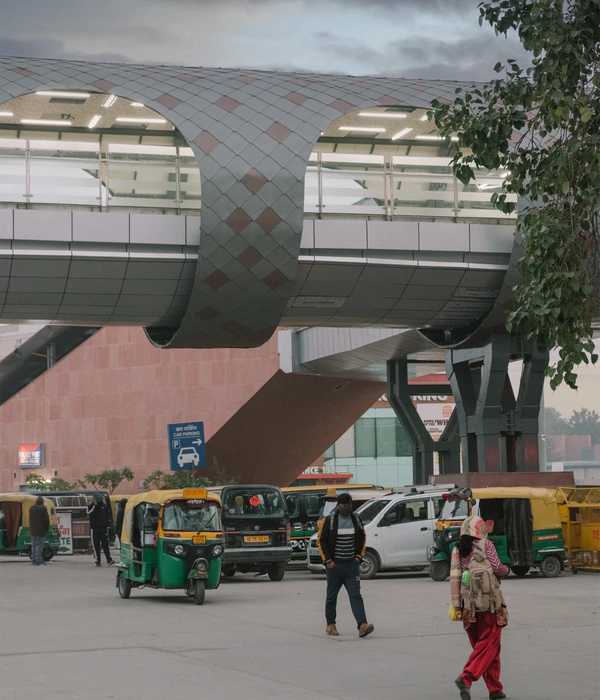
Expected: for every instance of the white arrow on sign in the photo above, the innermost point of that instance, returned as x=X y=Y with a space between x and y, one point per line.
x=197 y=442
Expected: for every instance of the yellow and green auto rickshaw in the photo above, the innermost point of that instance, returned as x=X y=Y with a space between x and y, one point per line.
x=579 y=509
x=172 y=539
x=15 y=536
x=523 y=523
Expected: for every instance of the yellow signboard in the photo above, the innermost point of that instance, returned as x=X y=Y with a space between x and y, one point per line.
x=194 y=493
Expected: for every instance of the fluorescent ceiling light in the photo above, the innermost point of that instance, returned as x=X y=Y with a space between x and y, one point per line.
x=137 y=104
x=428 y=137
x=110 y=100
x=373 y=129
x=385 y=115
x=58 y=93
x=95 y=119
x=6 y=114
x=143 y=120
x=424 y=118
x=400 y=134
x=46 y=122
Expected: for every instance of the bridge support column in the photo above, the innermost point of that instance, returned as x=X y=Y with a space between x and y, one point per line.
x=448 y=447
x=420 y=439
x=499 y=433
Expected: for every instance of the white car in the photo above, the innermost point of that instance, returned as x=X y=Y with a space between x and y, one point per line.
x=399 y=529
x=188 y=455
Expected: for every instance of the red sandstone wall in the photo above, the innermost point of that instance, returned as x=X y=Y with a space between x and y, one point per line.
x=107 y=404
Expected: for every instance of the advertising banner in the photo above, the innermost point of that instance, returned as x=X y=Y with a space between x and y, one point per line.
x=65 y=529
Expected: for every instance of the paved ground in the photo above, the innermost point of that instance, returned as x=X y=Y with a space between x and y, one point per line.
x=65 y=633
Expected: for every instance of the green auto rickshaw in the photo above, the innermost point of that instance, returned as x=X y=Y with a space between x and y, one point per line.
x=171 y=540
x=523 y=523
x=15 y=537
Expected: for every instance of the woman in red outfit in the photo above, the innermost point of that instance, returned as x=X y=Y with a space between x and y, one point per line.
x=483 y=628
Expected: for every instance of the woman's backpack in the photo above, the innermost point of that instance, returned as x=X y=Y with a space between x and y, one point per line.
x=481 y=590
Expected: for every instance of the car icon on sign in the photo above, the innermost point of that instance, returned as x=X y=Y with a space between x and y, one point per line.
x=188 y=455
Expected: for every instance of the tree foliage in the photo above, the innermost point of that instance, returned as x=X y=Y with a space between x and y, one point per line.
x=582 y=422
x=160 y=480
x=555 y=423
x=585 y=422
x=542 y=125
x=108 y=479
x=39 y=483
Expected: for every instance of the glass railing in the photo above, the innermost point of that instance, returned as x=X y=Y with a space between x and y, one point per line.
x=397 y=187
x=115 y=175
x=143 y=176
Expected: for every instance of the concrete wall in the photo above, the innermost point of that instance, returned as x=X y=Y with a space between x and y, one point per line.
x=108 y=403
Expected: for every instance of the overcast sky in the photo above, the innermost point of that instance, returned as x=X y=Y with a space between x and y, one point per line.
x=412 y=38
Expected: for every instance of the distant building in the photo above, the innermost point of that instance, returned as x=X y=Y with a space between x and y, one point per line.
x=572 y=448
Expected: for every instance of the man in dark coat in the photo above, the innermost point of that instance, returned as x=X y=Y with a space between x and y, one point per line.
x=99 y=523
x=39 y=524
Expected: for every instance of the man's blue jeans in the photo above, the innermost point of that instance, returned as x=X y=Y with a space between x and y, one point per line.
x=347 y=574
x=37 y=549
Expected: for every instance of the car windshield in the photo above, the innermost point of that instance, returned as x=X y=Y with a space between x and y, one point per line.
x=253 y=502
x=192 y=516
x=371 y=510
x=454 y=509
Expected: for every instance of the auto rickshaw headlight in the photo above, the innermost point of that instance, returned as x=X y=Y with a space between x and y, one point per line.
x=201 y=565
x=178 y=549
x=217 y=550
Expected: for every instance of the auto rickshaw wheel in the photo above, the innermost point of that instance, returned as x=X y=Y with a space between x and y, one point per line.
x=439 y=570
x=199 y=592
x=574 y=569
x=276 y=572
x=124 y=586
x=550 y=567
x=520 y=570
x=229 y=571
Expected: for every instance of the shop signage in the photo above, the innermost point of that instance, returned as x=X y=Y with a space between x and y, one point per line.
x=324 y=470
x=187 y=449
x=65 y=530
x=31 y=455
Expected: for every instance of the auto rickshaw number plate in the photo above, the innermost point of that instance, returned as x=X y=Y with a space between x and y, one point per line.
x=256 y=539
x=199 y=539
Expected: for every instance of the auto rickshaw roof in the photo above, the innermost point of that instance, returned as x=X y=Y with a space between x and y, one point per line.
x=546 y=495
x=24 y=497
x=161 y=497
x=28 y=499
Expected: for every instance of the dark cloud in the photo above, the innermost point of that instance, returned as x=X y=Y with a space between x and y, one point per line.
x=472 y=58
x=50 y=48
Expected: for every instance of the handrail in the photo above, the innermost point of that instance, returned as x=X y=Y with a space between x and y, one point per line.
x=108 y=176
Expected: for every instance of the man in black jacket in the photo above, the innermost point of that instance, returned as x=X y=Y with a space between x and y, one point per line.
x=99 y=524
x=39 y=524
x=342 y=542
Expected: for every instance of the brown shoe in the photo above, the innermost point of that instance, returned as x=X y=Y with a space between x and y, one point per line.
x=365 y=629
x=332 y=631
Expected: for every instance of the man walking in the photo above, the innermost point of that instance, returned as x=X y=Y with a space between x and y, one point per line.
x=99 y=523
x=342 y=542
x=39 y=524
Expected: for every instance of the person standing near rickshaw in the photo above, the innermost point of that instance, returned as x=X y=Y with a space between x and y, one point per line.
x=99 y=523
x=39 y=524
x=475 y=571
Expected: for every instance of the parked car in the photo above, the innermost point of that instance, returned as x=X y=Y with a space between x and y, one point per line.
x=399 y=529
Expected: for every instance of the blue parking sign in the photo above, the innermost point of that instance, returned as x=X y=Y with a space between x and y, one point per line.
x=187 y=449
